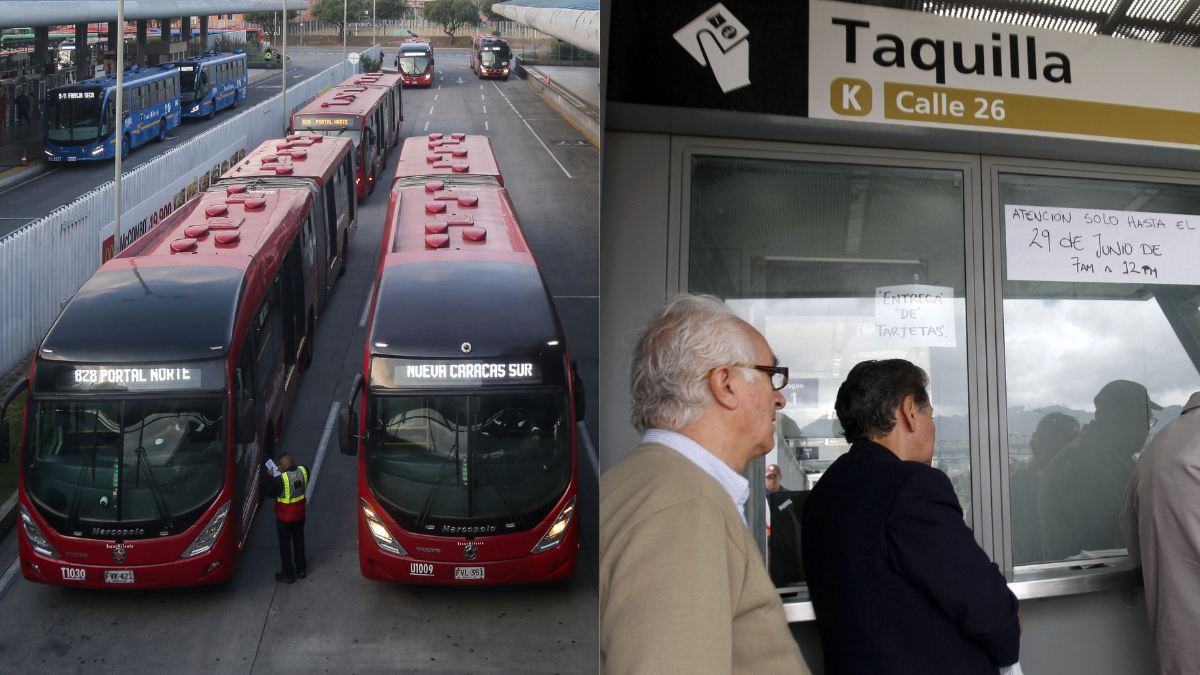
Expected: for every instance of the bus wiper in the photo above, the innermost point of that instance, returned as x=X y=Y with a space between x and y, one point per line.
x=437 y=482
x=73 y=515
x=144 y=462
x=508 y=504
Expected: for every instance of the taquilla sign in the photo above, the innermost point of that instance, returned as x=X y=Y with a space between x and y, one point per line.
x=876 y=64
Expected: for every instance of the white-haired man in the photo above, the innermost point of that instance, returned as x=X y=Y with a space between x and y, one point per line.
x=683 y=588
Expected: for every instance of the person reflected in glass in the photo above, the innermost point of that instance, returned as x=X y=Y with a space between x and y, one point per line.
x=1079 y=499
x=1054 y=431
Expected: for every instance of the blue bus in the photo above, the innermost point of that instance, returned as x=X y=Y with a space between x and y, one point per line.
x=211 y=82
x=79 y=116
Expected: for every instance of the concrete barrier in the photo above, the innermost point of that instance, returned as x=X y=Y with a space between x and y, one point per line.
x=582 y=115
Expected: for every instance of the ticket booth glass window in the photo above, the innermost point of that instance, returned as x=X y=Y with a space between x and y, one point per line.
x=1101 y=292
x=836 y=264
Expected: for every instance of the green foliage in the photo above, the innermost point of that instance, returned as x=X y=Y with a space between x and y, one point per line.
x=390 y=10
x=226 y=44
x=451 y=14
x=331 y=11
x=370 y=65
x=486 y=8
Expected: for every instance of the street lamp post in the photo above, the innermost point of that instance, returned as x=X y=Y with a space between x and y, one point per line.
x=283 y=74
x=374 y=20
x=344 y=27
x=118 y=126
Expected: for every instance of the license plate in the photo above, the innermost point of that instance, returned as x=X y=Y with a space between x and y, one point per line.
x=468 y=572
x=118 y=576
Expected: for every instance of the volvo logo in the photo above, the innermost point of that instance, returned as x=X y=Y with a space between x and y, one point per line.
x=466 y=348
x=470 y=552
x=119 y=555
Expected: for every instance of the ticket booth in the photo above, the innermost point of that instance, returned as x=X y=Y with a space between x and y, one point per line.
x=1015 y=209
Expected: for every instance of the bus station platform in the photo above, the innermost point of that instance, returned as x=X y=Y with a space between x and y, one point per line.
x=15 y=140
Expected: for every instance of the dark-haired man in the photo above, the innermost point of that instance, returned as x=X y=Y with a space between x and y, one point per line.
x=897 y=581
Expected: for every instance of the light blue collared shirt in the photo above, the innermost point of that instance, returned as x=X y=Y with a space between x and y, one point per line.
x=734 y=483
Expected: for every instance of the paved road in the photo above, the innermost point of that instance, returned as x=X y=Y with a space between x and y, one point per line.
x=63 y=183
x=336 y=621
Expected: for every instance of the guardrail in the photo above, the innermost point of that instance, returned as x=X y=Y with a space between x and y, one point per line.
x=43 y=264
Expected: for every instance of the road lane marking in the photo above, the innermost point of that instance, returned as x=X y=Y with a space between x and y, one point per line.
x=435 y=97
x=40 y=175
x=430 y=110
x=485 y=110
x=482 y=97
x=312 y=482
x=362 y=321
x=485 y=126
x=535 y=135
x=426 y=125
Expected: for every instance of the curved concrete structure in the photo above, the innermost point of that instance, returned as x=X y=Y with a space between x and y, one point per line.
x=580 y=27
x=21 y=13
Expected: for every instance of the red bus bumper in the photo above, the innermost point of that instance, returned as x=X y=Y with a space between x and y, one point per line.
x=185 y=572
x=424 y=80
x=555 y=564
x=498 y=72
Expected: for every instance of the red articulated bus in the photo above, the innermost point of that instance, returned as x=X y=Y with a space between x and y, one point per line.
x=490 y=56
x=392 y=112
x=162 y=387
x=357 y=115
x=468 y=464
x=414 y=62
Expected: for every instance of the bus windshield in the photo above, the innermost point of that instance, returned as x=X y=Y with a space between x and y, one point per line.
x=412 y=66
x=441 y=463
x=187 y=85
x=141 y=467
x=494 y=59
x=73 y=121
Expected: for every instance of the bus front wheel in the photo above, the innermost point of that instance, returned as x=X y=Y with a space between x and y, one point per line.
x=212 y=112
x=125 y=146
x=162 y=132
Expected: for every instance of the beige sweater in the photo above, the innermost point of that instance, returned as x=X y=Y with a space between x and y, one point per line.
x=683 y=588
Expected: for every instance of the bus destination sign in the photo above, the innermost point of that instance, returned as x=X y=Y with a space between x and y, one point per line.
x=74 y=95
x=465 y=373
x=328 y=122
x=129 y=378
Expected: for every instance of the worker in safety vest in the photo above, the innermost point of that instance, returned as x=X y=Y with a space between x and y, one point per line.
x=289 y=489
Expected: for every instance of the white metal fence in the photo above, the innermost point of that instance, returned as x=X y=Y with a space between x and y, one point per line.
x=44 y=263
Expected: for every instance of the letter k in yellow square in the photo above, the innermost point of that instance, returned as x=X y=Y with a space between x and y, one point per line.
x=849 y=96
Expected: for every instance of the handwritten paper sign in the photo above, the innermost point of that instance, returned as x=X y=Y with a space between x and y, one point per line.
x=1095 y=245
x=914 y=315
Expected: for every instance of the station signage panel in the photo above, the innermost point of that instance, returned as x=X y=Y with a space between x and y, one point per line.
x=882 y=65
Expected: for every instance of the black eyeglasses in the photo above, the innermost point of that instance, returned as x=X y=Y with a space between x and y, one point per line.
x=779 y=374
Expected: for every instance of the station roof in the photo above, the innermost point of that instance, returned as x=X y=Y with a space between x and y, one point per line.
x=26 y=13
x=573 y=21
x=1170 y=21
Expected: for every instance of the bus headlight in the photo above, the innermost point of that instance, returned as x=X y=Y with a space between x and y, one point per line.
x=208 y=536
x=379 y=531
x=98 y=150
x=196 y=108
x=36 y=539
x=558 y=530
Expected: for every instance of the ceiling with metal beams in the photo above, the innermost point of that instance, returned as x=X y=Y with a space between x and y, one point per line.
x=1170 y=21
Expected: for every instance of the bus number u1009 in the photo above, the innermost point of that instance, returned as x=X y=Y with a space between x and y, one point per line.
x=420 y=569
x=74 y=573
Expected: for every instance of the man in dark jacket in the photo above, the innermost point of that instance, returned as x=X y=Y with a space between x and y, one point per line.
x=897 y=581
x=289 y=489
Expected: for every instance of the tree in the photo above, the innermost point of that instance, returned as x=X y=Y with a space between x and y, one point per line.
x=330 y=11
x=451 y=14
x=486 y=8
x=390 y=10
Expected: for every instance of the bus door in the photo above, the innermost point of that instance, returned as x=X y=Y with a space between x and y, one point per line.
x=340 y=198
x=245 y=417
x=268 y=372
x=290 y=280
x=316 y=246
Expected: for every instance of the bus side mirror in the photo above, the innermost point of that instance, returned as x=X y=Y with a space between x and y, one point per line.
x=347 y=431
x=348 y=435
x=580 y=394
x=5 y=447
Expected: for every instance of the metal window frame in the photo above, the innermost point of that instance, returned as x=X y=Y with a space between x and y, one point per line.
x=987 y=393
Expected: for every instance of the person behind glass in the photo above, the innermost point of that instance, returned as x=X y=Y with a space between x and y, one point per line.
x=683 y=588
x=897 y=581
x=1082 y=489
x=289 y=489
x=1054 y=431
x=1162 y=532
